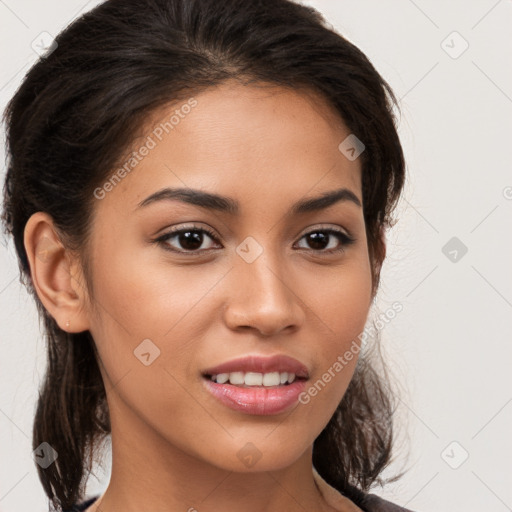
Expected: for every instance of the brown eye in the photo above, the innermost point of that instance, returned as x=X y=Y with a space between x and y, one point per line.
x=327 y=240
x=186 y=239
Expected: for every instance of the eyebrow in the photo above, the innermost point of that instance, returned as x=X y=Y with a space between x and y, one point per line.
x=228 y=205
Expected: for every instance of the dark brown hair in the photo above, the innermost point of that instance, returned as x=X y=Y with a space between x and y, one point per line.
x=78 y=110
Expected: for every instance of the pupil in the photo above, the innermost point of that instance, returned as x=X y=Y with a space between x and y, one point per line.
x=192 y=239
x=318 y=238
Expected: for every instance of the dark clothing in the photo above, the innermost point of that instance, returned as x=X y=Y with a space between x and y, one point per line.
x=373 y=503
x=83 y=506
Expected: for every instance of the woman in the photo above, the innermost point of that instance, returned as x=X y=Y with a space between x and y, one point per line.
x=198 y=193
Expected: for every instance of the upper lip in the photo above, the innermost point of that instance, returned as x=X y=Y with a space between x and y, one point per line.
x=261 y=364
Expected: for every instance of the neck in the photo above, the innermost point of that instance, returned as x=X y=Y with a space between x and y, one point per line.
x=150 y=473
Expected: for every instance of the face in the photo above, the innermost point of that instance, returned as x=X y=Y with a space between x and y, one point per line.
x=249 y=275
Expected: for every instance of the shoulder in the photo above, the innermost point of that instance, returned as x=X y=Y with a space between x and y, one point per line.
x=359 y=501
x=82 y=506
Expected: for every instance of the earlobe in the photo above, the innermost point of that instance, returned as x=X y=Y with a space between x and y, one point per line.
x=53 y=274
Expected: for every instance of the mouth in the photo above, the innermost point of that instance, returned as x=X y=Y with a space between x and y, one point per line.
x=257 y=384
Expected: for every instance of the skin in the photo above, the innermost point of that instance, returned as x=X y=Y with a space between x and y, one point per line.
x=174 y=446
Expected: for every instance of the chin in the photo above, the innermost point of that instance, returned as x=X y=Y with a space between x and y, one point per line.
x=267 y=451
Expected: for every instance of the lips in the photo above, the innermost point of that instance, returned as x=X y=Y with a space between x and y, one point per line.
x=257 y=385
x=260 y=364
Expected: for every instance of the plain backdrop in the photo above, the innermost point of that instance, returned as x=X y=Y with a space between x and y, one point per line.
x=448 y=263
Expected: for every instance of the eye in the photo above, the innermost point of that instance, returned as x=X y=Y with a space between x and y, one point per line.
x=324 y=240
x=190 y=239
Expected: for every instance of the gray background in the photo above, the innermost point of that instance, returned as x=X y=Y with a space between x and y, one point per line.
x=450 y=348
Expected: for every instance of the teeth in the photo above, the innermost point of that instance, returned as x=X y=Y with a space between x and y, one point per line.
x=236 y=378
x=254 y=378
x=271 y=379
x=222 y=378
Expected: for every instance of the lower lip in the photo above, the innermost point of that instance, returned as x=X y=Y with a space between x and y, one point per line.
x=256 y=400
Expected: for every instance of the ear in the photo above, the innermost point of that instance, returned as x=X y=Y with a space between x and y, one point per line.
x=55 y=274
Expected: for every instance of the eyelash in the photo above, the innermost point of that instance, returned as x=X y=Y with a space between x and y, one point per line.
x=345 y=239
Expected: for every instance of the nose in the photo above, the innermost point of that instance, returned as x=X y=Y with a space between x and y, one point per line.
x=263 y=298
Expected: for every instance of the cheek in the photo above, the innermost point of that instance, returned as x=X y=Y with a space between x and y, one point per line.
x=137 y=300
x=340 y=297
x=340 y=302
x=147 y=298
x=146 y=338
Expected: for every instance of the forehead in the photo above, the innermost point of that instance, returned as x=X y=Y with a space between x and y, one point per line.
x=245 y=141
